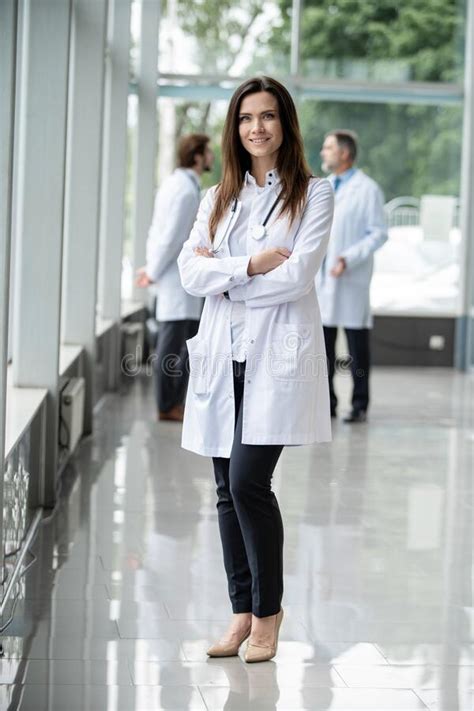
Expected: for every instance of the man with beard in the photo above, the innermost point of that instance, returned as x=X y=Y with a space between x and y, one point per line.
x=176 y=205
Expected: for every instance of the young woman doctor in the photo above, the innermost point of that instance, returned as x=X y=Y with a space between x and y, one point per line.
x=258 y=377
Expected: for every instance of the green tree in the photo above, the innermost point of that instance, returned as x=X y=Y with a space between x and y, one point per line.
x=425 y=34
x=408 y=149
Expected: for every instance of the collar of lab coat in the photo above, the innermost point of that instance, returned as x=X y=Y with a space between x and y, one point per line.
x=345 y=177
x=271 y=179
x=193 y=176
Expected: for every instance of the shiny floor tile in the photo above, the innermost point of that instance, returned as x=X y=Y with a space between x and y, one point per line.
x=303 y=652
x=35 y=697
x=428 y=654
x=64 y=671
x=265 y=699
x=91 y=648
x=129 y=588
x=96 y=610
x=450 y=699
x=67 y=591
x=83 y=625
x=409 y=676
x=233 y=672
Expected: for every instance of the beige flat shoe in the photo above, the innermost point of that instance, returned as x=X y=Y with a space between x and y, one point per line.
x=261 y=652
x=227 y=648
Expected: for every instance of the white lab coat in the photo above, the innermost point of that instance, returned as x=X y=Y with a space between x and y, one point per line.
x=357 y=231
x=286 y=394
x=176 y=206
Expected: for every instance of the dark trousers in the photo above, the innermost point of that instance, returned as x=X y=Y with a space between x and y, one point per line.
x=250 y=522
x=359 y=351
x=171 y=365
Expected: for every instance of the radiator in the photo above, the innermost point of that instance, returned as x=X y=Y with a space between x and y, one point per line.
x=72 y=412
x=133 y=339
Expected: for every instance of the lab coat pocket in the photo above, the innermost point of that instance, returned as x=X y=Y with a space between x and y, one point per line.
x=291 y=351
x=198 y=365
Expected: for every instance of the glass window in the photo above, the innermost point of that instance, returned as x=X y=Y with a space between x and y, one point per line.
x=132 y=137
x=225 y=38
x=177 y=117
x=414 y=154
x=127 y=256
x=382 y=41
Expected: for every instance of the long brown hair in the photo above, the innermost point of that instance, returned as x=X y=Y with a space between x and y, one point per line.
x=292 y=167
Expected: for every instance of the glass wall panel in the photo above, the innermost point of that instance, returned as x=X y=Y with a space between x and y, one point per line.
x=127 y=269
x=132 y=136
x=178 y=117
x=224 y=37
x=387 y=41
x=414 y=153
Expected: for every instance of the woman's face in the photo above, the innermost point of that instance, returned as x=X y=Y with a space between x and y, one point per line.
x=259 y=125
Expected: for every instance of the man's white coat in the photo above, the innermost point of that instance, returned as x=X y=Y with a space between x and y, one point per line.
x=358 y=230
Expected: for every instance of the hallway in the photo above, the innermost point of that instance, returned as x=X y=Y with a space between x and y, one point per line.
x=128 y=586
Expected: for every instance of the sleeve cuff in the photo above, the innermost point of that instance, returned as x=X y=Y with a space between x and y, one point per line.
x=240 y=275
x=150 y=274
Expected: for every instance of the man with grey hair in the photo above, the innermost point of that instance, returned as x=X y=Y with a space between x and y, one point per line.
x=343 y=282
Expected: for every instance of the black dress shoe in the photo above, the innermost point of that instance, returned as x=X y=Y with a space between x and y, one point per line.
x=356 y=416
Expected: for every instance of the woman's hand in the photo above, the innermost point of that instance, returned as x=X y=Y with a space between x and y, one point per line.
x=203 y=252
x=267 y=260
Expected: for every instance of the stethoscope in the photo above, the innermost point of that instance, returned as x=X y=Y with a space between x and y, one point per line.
x=257 y=232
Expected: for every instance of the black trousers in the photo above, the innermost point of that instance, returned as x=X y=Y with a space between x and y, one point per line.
x=359 y=351
x=171 y=365
x=250 y=522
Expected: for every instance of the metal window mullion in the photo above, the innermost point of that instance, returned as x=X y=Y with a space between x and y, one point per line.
x=39 y=209
x=114 y=160
x=114 y=164
x=83 y=171
x=295 y=57
x=464 y=325
x=145 y=163
x=8 y=22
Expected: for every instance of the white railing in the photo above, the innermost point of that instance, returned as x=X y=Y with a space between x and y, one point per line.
x=405 y=211
x=402 y=211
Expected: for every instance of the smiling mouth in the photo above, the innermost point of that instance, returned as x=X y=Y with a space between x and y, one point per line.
x=259 y=140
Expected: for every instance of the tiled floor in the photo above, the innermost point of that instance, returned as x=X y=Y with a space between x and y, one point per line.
x=128 y=587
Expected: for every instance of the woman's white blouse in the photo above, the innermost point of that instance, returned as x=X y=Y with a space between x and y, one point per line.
x=251 y=198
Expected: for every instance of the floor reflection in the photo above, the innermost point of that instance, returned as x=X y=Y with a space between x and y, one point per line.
x=128 y=587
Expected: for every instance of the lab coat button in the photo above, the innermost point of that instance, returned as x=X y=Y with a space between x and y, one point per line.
x=249 y=381
x=231 y=278
x=252 y=341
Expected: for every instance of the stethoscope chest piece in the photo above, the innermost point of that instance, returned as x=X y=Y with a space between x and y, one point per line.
x=258 y=231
